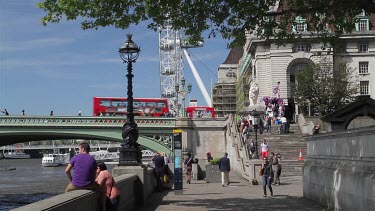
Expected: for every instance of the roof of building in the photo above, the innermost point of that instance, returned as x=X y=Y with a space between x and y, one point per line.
x=234 y=55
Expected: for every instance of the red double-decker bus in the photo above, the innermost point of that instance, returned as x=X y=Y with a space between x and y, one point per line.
x=200 y=112
x=115 y=106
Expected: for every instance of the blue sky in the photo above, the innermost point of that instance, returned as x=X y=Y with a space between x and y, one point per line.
x=61 y=67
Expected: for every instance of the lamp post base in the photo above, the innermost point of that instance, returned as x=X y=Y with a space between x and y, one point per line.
x=130 y=156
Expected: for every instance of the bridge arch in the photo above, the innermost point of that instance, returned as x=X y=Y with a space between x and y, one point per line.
x=148 y=142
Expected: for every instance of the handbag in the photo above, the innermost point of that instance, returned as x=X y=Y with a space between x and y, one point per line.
x=261 y=172
x=188 y=168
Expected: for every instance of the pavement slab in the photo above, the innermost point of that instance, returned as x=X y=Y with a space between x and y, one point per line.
x=239 y=195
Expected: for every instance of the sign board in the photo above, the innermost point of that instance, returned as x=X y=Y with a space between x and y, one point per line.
x=177 y=152
x=193 y=103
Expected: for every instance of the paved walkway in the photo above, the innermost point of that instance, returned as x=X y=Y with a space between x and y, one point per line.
x=239 y=195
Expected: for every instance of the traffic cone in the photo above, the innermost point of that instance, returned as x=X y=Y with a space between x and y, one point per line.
x=300 y=155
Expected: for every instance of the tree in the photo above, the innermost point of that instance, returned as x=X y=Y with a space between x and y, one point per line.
x=265 y=18
x=325 y=86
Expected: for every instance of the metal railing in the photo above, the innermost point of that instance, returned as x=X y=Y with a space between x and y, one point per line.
x=35 y=121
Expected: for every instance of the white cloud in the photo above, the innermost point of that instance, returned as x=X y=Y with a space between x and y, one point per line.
x=32 y=44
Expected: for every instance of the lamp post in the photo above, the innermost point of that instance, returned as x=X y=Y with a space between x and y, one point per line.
x=177 y=89
x=130 y=152
x=183 y=93
x=256 y=122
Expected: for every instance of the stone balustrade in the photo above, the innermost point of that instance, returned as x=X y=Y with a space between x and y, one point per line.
x=82 y=200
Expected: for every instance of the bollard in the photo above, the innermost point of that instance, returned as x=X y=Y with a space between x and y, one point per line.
x=194 y=173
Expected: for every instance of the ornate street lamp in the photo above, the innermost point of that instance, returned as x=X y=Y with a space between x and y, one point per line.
x=177 y=89
x=189 y=87
x=130 y=152
x=256 y=122
x=183 y=93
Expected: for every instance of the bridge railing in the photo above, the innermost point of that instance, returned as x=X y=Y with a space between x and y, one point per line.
x=35 y=121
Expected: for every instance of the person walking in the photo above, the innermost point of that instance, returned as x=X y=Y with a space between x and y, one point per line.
x=278 y=156
x=79 y=113
x=264 y=147
x=284 y=123
x=209 y=156
x=266 y=176
x=188 y=166
x=244 y=129
x=51 y=113
x=166 y=169
x=252 y=149
x=224 y=167
x=275 y=168
x=5 y=112
x=158 y=161
x=84 y=173
x=269 y=123
x=23 y=112
x=106 y=181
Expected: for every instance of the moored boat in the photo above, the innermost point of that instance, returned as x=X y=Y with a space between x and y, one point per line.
x=16 y=155
x=55 y=159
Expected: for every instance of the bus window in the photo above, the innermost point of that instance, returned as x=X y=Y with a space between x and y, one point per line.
x=161 y=105
x=151 y=104
x=116 y=103
x=105 y=103
x=136 y=104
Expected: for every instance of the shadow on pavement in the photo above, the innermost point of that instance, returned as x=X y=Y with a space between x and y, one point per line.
x=280 y=202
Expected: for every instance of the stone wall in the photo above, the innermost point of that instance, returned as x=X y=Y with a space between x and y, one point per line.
x=202 y=135
x=85 y=200
x=340 y=169
x=326 y=126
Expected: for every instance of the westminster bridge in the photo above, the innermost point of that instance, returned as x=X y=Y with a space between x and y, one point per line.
x=156 y=133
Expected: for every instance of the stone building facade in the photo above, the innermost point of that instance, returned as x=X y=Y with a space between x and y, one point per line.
x=269 y=65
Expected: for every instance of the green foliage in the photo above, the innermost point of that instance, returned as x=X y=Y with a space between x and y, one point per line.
x=325 y=86
x=229 y=18
x=215 y=161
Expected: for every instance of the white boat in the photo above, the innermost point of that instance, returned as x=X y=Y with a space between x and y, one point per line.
x=16 y=155
x=55 y=159
x=104 y=155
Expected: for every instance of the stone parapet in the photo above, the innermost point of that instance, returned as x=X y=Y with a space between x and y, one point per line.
x=340 y=169
x=85 y=200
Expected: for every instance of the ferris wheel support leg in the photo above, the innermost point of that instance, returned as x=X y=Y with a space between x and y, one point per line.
x=198 y=79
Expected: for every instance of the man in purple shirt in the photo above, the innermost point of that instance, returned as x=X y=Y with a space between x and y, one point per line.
x=84 y=166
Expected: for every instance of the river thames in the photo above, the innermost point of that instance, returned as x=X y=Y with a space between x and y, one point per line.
x=30 y=182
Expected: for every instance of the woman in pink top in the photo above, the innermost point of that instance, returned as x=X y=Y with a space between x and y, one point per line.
x=105 y=180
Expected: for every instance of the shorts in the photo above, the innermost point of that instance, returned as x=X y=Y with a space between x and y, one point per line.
x=93 y=186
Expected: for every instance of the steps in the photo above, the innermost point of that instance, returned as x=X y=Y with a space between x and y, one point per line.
x=288 y=145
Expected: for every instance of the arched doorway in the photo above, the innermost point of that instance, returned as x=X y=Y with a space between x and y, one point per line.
x=294 y=67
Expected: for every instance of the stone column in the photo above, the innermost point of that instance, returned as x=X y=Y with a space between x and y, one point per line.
x=141 y=184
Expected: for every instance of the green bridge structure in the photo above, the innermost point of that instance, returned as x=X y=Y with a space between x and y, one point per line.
x=156 y=133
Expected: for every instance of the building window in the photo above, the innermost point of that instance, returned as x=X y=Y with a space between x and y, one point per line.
x=300 y=24
x=363 y=87
x=301 y=27
x=301 y=47
x=362 y=47
x=363 y=25
x=363 y=67
x=362 y=22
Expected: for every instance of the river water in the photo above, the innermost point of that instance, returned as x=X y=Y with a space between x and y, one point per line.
x=30 y=182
